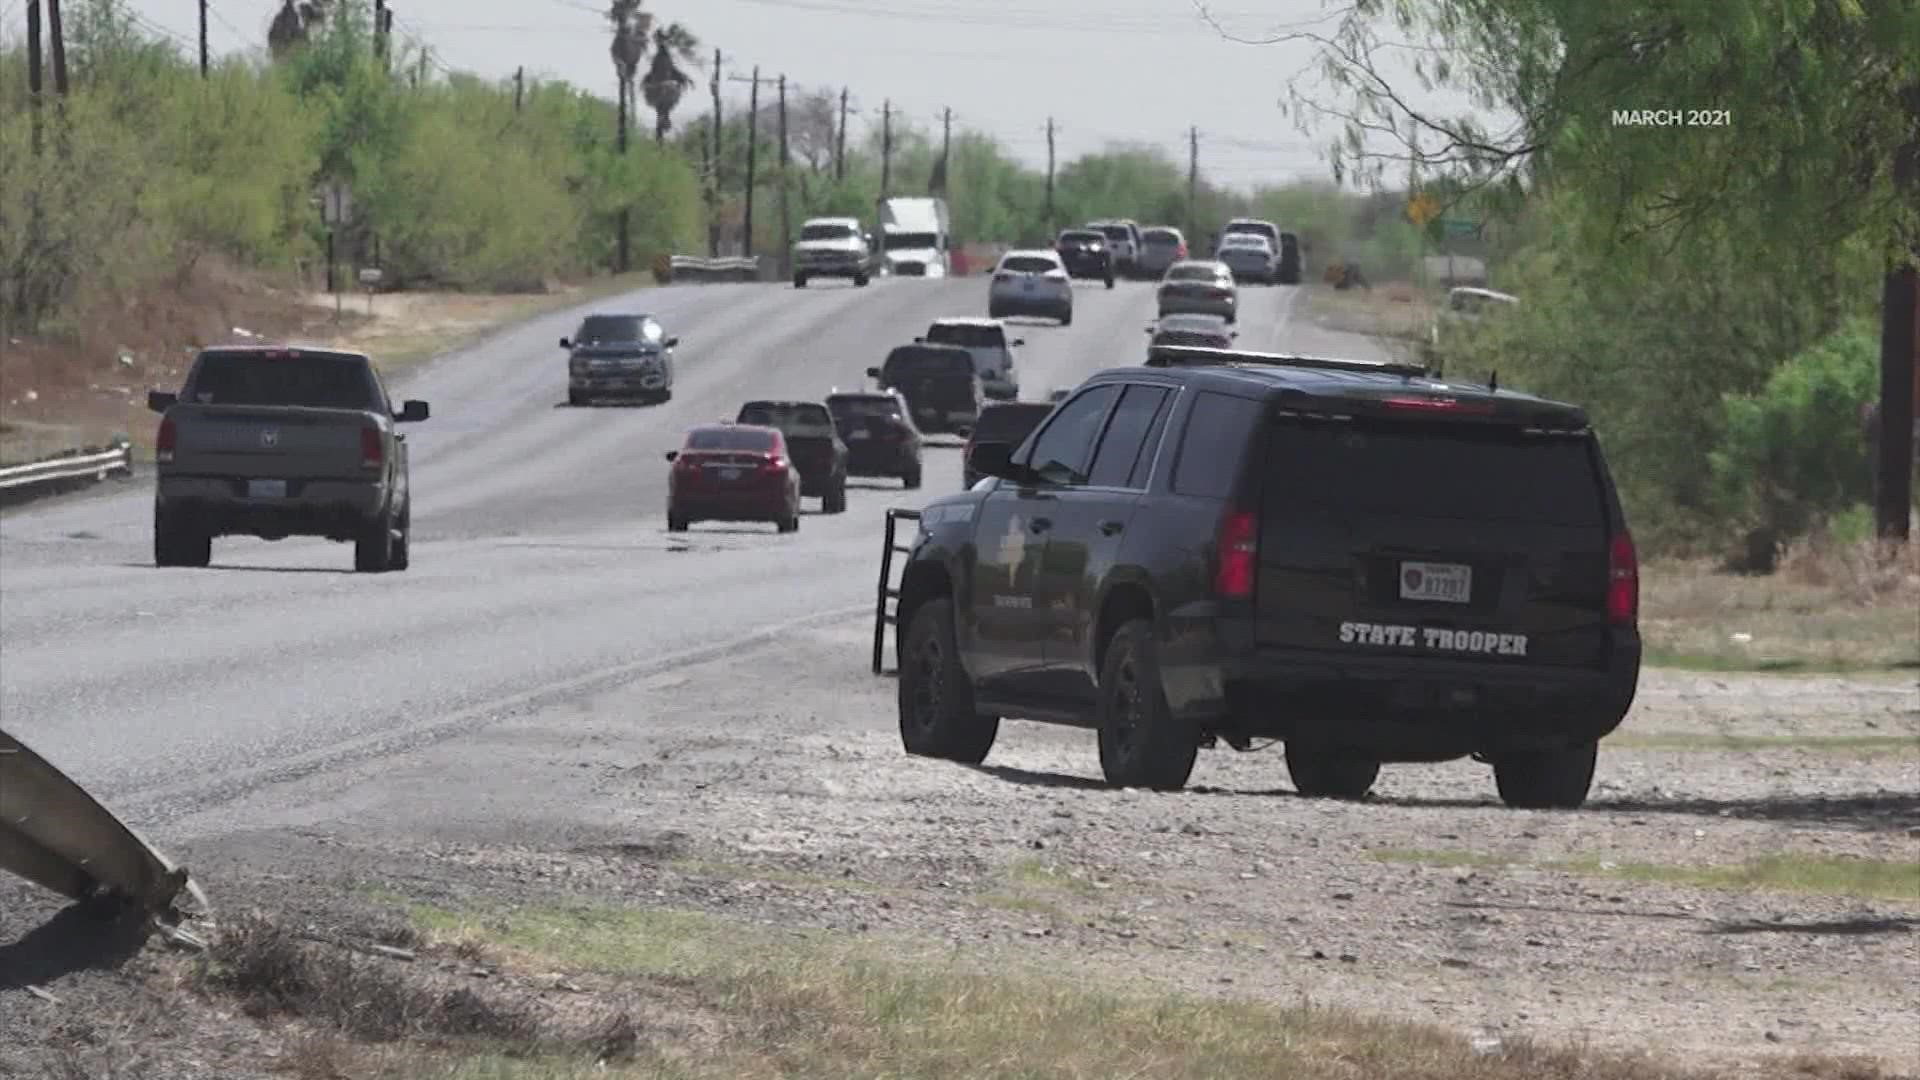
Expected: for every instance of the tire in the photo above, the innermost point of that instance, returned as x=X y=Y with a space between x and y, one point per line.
x=1066 y=317
x=1547 y=780
x=663 y=397
x=676 y=522
x=937 y=717
x=911 y=479
x=994 y=312
x=1321 y=775
x=835 y=500
x=860 y=281
x=402 y=556
x=175 y=544
x=576 y=398
x=799 y=281
x=1109 y=281
x=373 y=548
x=1142 y=742
x=791 y=522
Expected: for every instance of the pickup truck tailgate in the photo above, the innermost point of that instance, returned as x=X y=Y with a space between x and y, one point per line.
x=269 y=441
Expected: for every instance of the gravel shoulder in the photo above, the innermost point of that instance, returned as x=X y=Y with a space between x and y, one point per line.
x=768 y=786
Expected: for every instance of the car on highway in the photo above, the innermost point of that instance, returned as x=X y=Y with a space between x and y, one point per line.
x=1250 y=256
x=1085 y=254
x=1160 y=247
x=1031 y=282
x=733 y=472
x=1250 y=226
x=1123 y=239
x=813 y=443
x=992 y=351
x=1199 y=287
x=619 y=356
x=1366 y=563
x=1006 y=421
x=1200 y=331
x=278 y=441
x=1287 y=268
x=940 y=383
x=832 y=247
x=881 y=438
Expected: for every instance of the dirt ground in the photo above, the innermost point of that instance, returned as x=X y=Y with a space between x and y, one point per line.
x=1743 y=888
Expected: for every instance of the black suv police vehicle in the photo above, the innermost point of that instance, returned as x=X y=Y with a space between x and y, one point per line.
x=1359 y=559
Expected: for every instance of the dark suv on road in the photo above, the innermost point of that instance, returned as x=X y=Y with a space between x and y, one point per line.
x=1367 y=563
x=880 y=436
x=1086 y=254
x=813 y=443
x=625 y=356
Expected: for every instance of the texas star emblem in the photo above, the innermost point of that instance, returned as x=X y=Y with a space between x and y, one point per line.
x=269 y=438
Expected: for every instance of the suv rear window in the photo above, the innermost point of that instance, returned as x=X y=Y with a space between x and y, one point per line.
x=1213 y=444
x=1028 y=264
x=1160 y=236
x=1117 y=232
x=729 y=439
x=1083 y=236
x=966 y=335
x=911 y=361
x=317 y=382
x=1436 y=471
x=853 y=407
x=799 y=421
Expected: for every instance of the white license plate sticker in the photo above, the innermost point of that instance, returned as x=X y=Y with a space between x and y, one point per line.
x=266 y=489
x=856 y=436
x=1449 y=583
x=729 y=474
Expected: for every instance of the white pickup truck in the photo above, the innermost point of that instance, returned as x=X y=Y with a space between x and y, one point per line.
x=832 y=247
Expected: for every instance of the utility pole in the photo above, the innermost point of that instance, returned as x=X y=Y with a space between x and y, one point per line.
x=519 y=87
x=715 y=180
x=946 y=133
x=886 y=148
x=786 y=223
x=840 y=141
x=34 y=68
x=203 y=38
x=753 y=144
x=1050 y=216
x=385 y=26
x=379 y=26
x=59 y=39
x=1193 y=176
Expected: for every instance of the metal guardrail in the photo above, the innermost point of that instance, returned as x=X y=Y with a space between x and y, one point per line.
x=882 y=618
x=91 y=465
x=695 y=268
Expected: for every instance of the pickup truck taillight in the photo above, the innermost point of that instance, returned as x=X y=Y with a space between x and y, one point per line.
x=1236 y=553
x=163 y=442
x=1623 y=581
x=373 y=451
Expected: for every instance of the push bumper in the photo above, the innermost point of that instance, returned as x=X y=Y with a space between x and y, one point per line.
x=619 y=385
x=234 y=506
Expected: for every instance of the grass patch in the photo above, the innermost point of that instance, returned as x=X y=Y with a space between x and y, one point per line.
x=823 y=1007
x=1388 y=311
x=398 y=343
x=1863 y=746
x=1047 y=874
x=1882 y=879
x=711 y=868
x=1832 y=609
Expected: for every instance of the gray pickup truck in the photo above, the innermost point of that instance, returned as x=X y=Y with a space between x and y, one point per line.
x=275 y=442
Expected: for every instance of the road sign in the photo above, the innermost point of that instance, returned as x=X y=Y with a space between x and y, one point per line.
x=1422 y=209
x=1459 y=226
x=336 y=203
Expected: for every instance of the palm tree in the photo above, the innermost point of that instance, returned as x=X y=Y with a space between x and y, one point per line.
x=631 y=28
x=665 y=82
x=294 y=23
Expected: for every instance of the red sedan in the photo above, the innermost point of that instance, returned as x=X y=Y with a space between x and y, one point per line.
x=733 y=472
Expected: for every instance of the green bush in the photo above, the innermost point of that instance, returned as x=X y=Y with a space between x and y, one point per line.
x=1793 y=452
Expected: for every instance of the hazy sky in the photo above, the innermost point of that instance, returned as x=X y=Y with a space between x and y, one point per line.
x=1103 y=69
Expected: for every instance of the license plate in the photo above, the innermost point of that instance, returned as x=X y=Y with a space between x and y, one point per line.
x=266 y=489
x=856 y=436
x=729 y=474
x=1450 y=583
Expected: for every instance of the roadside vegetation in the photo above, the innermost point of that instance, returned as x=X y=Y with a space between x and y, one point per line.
x=1857 y=878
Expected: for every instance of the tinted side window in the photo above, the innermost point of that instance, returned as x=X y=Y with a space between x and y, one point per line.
x=1120 y=448
x=1062 y=449
x=1211 y=447
x=1143 y=465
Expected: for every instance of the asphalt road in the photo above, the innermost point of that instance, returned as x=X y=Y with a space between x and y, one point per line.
x=541 y=565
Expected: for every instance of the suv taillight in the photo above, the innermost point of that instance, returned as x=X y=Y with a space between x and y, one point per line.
x=1623 y=581
x=163 y=442
x=1236 y=555
x=373 y=451
x=773 y=463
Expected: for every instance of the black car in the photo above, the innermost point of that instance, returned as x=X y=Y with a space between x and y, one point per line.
x=1086 y=254
x=942 y=387
x=1288 y=270
x=880 y=437
x=1007 y=422
x=812 y=442
x=1365 y=562
x=626 y=356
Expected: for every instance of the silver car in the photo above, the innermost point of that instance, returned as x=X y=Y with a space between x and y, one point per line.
x=1160 y=247
x=1200 y=287
x=1249 y=255
x=1202 y=331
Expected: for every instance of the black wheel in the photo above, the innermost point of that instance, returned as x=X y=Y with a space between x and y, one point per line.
x=1546 y=780
x=835 y=500
x=1142 y=742
x=790 y=522
x=373 y=548
x=994 y=312
x=1066 y=318
x=912 y=478
x=1323 y=775
x=799 y=281
x=177 y=543
x=1109 y=281
x=937 y=717
x=676 y=522
x=575 y=397
x=663 y=397
x=860 y=281
x=403 y=541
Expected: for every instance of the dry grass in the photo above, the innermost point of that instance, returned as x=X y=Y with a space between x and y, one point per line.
x=1393 y=310
x=1882 y=879
x=1689 y=742
x=1829 y=607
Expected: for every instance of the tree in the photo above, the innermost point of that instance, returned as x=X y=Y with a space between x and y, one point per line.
x=631 y=28
x=1798 y=126
x=665 y=81
x=294 y=23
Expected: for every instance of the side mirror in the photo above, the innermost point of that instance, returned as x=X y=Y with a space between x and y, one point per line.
x=1018 y=341
x=161 y=400
x=412 y=412
x=672 y=342
x=566 y=344
x=673 y=455
x=994 y=459
x=920 y=341
x=873 y=373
